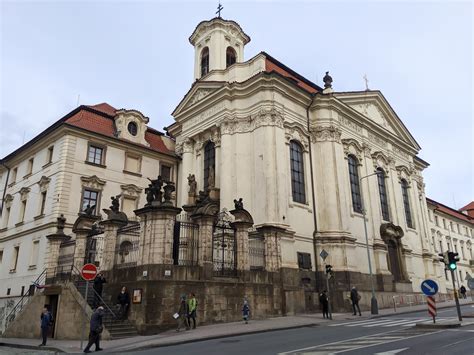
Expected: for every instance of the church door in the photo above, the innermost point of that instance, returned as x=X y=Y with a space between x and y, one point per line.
x=394 y=263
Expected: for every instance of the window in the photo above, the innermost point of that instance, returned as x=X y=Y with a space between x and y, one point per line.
x=205 y=61
x=455 y=247
x=459 y=229
x=433 y=242
x=34 y=254
x=132 y=128
x=16 y=252
x=43 y=203
x=89 y=199
x=406 y=203
x=132 y=163
x=451 y=226
x=9 y=290
x=449 y=247
x=165 y=172
x=231 y=57
x=437 y=221
x=383 y=194
x=444 y=224
x=462 y=251
x=209 y=163
x=470 y=252
x=49 y=158
x=441 y=246
x=430 y=215
x=7 y=216
x=297 y=172
x=95 y=155
x=14 y=174
x=355 y=186
x=30 y=166
x=304 y=261
x=1 y=256
x=22 y=210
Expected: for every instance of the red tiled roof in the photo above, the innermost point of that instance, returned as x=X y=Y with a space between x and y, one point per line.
x=449 y=211
x=469 y=208
x=100 y=120
x=270 y=66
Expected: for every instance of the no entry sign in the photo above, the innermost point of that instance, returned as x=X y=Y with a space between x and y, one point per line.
x=89 y=272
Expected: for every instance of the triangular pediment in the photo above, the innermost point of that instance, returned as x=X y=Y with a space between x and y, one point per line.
x=198 y=92
x=374 y=106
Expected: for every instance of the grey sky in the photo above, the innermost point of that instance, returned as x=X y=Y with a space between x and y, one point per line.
x=136 y=54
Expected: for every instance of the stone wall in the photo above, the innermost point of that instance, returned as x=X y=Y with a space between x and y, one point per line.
x=27 y=322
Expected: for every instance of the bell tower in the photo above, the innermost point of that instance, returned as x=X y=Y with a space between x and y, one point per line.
x=218 y=43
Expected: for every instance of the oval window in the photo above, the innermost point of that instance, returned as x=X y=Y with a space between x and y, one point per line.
x=133 y=128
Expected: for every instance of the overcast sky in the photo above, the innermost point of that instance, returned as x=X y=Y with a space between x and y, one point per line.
x=136 y=54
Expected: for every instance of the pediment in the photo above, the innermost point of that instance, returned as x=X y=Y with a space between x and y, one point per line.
x=198 y=92
x=374 y=106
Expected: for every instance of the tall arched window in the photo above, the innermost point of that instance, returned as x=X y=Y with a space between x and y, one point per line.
x=355 y=183
x=205 y=61
x=231 y=56
x=209 y=163
x=297 y=172
x=383 y=194
x=406 y=203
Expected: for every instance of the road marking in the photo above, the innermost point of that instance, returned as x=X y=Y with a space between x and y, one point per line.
x=366 y=324
x=359 y=321
x=391 y=352
x=457 y=342
x=395 y=324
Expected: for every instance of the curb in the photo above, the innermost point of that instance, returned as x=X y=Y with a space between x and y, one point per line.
x=438 y=326
x=179 y=342
x=33 y=347
x=416 y=311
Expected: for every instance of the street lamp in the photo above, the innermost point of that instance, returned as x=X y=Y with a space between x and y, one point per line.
x=374 y=308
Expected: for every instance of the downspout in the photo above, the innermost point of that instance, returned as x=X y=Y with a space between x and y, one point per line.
x=313 y=197
x=5 y=188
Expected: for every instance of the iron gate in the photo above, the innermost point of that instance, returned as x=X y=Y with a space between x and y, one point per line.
x=94 y=246
x=185 y=241
x=224 y=249
x=127 y=247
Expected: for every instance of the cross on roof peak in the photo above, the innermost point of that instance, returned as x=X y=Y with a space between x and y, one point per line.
x=219 y=9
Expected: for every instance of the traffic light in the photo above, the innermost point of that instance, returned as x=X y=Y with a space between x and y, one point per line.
x=452 y=260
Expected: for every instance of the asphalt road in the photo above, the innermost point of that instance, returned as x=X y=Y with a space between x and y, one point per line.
x=386 y=335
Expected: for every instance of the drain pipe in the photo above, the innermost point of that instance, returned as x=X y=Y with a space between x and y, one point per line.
x=315 y=221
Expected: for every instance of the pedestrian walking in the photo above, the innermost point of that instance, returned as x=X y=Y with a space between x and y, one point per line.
x=96 y=329
x=355 y=298
x=246 y=311
x=99 y=281
x=462 y=290
x=46 y=322
x=183 y=312
x=192 y=307
x=324 y=302
x=123 y=301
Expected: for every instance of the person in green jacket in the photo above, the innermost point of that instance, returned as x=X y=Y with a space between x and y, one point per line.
x=192 y=306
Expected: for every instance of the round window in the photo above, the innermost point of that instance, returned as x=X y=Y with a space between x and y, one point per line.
x=132 y=128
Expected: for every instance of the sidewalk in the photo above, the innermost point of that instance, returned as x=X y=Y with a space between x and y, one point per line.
x=213 y=331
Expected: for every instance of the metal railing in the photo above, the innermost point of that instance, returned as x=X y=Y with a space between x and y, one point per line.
x=25 y=299
x=256 y=253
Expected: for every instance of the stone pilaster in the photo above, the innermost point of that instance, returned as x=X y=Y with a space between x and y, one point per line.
x=110 y=243
x=52 y=256
x=272 y=240
x=243 y=221
x=156 y=234
x=206 y=228
x=82 y=228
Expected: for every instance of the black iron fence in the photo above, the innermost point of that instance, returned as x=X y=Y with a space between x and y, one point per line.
x=257 y=253
x=127 y=250
x=224 y=250
x=185 y=241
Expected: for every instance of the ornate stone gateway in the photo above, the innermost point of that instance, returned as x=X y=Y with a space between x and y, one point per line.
x=224 y=246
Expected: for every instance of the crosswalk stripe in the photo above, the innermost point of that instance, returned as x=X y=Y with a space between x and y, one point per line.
x=359 y=321
x=370 y=323
x=407 y=322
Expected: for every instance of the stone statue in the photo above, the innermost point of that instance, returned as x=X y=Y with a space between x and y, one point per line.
x=149 y=194
x=153 y=191
x=89 y=210
x=327 y=81
x=115 y=204
x=169 y=188
x=239 y=205
x=211 y=178
x=61 y=224
x=192 y=185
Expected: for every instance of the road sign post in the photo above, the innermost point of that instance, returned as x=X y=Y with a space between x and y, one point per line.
x=458 y=307
x=431 y=307
x=324 y=254
x=88 y=273
x=430 y=288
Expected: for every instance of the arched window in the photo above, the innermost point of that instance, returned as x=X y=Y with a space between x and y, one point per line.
x=205 y=61
x=406 y=203
x=355 y=184
x=297 y=172
x=383 y=194
x=231 y=56
x=209 y=164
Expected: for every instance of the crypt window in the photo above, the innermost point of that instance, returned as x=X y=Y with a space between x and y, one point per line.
x=231 y=56
x=355 y=183
x=205 y=61
x=406 y=203
x=96 y=155
x=304 y=260
x=89 y=198
x=383 y=194
x=297 y=172
x=209 y=164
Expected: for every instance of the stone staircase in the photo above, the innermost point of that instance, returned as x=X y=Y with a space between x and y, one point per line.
x=117 y=328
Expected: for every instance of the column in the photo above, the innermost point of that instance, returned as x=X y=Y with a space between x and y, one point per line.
x=54 y=243
x=206 y=228
x=156 y=234
x=272 y=242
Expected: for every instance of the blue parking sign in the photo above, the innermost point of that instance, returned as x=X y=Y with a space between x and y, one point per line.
x=429 y=287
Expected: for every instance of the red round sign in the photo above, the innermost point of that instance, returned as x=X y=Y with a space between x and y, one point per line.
x=89 y=272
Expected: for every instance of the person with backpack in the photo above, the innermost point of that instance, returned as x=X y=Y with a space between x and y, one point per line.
x=192 y=307
x=46 y=322
x=355 y=298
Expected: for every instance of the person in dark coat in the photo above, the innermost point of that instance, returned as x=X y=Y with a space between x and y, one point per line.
x=324 y=302
x=96 y=329
x=462 y=290
x=123 y=300
x=355 y=300
x=99 y=281
x=46 y=320
x=246 y=310
x=183 y=312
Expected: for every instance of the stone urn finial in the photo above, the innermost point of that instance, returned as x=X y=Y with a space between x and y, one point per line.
x=61 y=224
x=327 y=81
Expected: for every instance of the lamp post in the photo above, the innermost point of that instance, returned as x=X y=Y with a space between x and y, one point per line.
x=374 y=308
